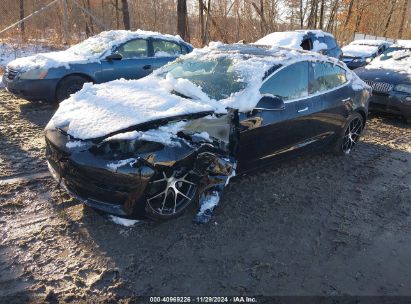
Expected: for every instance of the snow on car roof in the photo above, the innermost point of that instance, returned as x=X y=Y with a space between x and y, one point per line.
x=103 y=109
x=90 y=50
x=403 y=43
x=359 y=50
x=290 y=39
x=369 y=42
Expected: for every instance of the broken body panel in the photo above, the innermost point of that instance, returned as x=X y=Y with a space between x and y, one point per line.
x=106 y=177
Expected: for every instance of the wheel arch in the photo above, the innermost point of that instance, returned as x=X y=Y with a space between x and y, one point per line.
x=363 y=113
x=88 y=77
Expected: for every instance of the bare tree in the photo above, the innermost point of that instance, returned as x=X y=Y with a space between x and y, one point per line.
x=182 y=19
x=22 y=28
x=126 y=14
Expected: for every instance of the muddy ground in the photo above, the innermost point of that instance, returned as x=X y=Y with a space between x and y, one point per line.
x=318 y=225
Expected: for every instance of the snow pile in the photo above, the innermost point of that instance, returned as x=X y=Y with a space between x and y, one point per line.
x=398 y=60
x=292 y=39
x=163 y=134
x=98 y=110
x=90 y=50
x=359 y=50
x=9 y=51
x=121 y=163
x=369 y=42
x=122 y=221
x=404 y=43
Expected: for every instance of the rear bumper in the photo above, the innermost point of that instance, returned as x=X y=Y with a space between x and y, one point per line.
x=89 y=179
x=33 y=90
x=394 y=103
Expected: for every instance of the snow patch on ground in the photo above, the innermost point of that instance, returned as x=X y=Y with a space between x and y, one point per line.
x=122 y=221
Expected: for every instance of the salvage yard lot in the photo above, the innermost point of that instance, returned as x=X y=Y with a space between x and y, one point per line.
x=318 y=225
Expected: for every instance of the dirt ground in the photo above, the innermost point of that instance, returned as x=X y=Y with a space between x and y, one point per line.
x=318 y=225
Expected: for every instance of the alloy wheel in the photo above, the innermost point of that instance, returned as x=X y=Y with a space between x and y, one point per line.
x=352 y=134
x=169 y=195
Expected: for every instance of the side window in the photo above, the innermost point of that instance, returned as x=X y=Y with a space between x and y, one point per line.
x=326 y=76
x=163 y=48
x=289 y=83
x=133 y=49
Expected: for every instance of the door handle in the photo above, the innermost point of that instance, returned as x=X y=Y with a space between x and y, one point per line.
x=303 y=110
x=345 y=100
x=147 y=67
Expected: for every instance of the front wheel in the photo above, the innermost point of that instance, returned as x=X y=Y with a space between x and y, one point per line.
x=170 y=194
x=68 y=86
x=349 y=135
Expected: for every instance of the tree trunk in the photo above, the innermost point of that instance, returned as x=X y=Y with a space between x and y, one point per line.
x=182 y=19
x=321 y=25
x=201 y=21
x=301 y=15
x=126 y=14
x=22 y=28
x=117 y=16
x=349 y=13
x=387 y=24
x=403 y=14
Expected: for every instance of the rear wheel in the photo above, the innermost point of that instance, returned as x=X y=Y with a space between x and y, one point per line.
x=350 y=135
x=170 y=194
x=68 y=86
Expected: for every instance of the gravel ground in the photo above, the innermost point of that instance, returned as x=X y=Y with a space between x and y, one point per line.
x=317 y=225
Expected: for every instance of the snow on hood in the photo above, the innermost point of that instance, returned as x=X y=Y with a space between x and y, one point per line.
x=357 y=50
x=369 y=42
x=102 y=109
x=398 y=60
x=90 y=50
x=292 y=39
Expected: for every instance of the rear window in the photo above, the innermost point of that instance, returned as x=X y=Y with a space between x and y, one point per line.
x=326 y=76
x=330 y=42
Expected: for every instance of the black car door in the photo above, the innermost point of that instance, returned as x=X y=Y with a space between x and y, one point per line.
x=332 y=99
x=266 y=133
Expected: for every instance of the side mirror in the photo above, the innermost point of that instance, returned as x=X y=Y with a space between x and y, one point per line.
x=114 y=56
x=270 y=103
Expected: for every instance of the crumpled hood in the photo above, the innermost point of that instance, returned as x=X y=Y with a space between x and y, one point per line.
x=99 y=110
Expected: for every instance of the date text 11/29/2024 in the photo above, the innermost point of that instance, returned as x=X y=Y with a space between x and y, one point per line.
x=239 y=299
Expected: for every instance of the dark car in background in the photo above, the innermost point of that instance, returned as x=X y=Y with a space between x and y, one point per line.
x=390 y=78
x=361 y=52
x=225 y=110
x=107 y=56
x=309 y=40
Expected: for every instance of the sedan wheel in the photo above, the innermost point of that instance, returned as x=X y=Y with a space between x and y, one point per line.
x=169 y=195
x=350 y=136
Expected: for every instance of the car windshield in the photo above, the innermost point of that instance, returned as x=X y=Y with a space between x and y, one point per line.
x=217 y=77
x=88 y=47
x=396 y=53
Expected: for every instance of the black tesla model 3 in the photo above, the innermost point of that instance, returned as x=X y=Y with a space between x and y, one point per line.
x=276 y=103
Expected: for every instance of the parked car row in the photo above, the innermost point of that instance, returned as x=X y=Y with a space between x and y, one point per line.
x=153 y=146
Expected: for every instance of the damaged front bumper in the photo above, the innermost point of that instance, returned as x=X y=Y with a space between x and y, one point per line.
x=121 y=186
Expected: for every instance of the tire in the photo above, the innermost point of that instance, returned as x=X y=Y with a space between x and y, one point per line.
x=170 y=194
x=69 y=85
x=350 y=135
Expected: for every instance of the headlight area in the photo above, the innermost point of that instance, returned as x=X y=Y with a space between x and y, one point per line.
x=121 y=149
x=34 y=74
x=404 y=88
